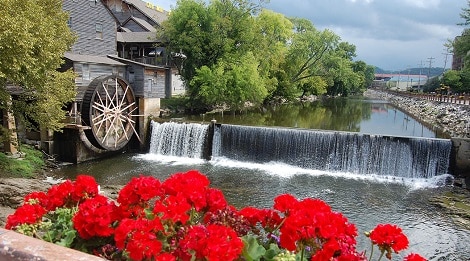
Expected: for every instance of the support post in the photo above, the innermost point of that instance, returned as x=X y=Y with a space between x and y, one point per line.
x=11 y=144
x=207 y=154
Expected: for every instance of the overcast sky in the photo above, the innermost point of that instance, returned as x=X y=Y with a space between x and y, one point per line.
x=390 y=34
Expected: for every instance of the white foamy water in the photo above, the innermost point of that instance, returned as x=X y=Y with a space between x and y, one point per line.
x=287 y=171
x=282 y=170
x=169 y=160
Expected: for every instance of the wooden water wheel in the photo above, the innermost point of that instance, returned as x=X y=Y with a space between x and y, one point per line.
x=108 y=108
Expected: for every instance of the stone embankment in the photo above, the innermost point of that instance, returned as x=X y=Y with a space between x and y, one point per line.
x=452 y=119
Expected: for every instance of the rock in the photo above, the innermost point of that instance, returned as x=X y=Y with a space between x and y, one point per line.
x=13 y=190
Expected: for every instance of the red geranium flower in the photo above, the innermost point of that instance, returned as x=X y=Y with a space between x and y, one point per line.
x=26 y=214
x=173 y=208
x=215 y=199
x=95 y=217
x=59 y=195
x=84 y=187
x=389 y=237
x=212 y=242
x=310 y=224
x=139 y=238
x=268 y=218
x=134 y=197
x=192 y=185
x=251 y=214
x=285 y=202
x=165 y=257
x=414 y=257
x=178 y=182
x=36 y=198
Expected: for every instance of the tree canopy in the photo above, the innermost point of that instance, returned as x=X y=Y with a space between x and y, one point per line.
x=458 y=80
x=238 y=53
x=33 y=38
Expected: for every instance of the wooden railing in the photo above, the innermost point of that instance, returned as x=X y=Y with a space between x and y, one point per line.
x=455 y=99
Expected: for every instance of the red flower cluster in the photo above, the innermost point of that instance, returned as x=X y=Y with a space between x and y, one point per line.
x=139 y=238
x=26 y=214
x=66 y=194
x=95 y=217
x=389 y=237
x=134 y=197
x=183 y=218
x=211 y=242
x=312 y=224
x=178 y=202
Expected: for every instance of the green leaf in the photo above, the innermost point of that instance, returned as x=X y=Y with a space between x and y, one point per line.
x=272 y=252
x=68 y=239
x=252 y=249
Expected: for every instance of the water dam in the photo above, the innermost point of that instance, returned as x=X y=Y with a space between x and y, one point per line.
x=332 y=151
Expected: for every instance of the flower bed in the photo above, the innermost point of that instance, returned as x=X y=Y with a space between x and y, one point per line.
x=183 y=218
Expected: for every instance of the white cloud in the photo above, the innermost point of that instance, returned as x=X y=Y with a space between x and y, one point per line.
x=365 y=1
x=389 y=34
x=424 y=4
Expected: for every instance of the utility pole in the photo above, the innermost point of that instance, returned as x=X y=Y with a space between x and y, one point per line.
x=408 y=78
x=445 y=60
x=430 y=64
x=419 y=79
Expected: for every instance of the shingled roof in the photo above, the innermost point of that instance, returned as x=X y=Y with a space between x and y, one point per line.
x=144 y=24
x=136 y=37
x=91 y=59
x=149 y=10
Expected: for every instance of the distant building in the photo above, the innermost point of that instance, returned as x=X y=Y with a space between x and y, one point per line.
x=399 y=82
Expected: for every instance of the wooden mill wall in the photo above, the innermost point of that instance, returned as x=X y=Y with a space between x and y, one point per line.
x=86 y=19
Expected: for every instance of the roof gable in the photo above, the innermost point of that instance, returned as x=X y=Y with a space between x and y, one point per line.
x=158 y=15
x=141 y=22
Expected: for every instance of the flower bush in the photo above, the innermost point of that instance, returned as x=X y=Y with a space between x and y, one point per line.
x=182 y=218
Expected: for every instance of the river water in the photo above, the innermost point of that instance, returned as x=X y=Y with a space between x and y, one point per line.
x=339 y=114
x=366 y=200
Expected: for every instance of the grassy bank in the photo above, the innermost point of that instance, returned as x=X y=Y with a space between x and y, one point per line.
x=27 y=165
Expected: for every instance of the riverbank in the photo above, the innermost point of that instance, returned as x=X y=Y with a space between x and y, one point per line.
x=13 y=190
x=452 y=119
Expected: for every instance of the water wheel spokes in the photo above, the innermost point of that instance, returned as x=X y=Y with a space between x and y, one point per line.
x=108 y=109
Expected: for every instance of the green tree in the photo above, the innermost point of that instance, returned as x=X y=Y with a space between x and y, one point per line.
x=452 y=79
x=303 y=69
x=286 y=58
x=231 y=82
x=274 y=32
x=465 y=80
x=461 y=44
x=207 y=33
x=308 y=49
x=345 y=80
x=366 y=72
x=346 y=77
x=33 y=38
x=432 y=85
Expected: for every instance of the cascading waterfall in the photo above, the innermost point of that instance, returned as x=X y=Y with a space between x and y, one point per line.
x=178 y=139
x=363 y=154
x=331 y=151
